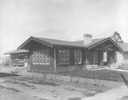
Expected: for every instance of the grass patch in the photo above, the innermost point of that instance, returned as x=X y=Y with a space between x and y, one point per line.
x=97 y=74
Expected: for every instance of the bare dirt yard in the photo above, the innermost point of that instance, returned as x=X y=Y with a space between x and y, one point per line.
x=15 y=87
x=28 y=88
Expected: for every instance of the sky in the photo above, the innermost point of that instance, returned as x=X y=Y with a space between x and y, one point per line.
x=60 y=19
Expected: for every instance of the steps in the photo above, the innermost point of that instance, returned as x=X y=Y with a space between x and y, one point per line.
x=114 y=65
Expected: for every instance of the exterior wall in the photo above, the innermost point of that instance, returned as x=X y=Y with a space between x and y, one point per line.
x=41 y=67
x=111 y=58
x=89 y=57
x=100 y=57
x=119 y=58
x=71 y=66
x=16 y=61
x=122 y=58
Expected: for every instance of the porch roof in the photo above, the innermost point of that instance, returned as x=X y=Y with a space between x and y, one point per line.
x=17 y=51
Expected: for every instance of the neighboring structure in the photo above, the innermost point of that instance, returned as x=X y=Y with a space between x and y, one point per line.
x=122 y=57
x=19 y=57
x=5 y=61
x=56 y=55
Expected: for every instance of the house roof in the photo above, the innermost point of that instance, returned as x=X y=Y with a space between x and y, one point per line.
x=17 y=51
x=124 y=46
x=70 y=43
x=55 y=42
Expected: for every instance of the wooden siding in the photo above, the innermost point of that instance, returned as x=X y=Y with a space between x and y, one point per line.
x=41 y=67
x=35 y=46
x=90 y=56
x=17 y=61
x=86 y=55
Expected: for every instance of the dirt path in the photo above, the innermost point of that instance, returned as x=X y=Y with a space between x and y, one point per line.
x=119 y=93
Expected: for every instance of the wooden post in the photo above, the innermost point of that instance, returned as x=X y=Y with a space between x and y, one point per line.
x=54 y=59
x=10 y=60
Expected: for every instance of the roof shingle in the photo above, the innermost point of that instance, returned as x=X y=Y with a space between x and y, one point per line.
x=69 y=43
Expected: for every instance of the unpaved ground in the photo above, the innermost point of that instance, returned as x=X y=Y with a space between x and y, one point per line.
x=27 y=88
x=119 y=93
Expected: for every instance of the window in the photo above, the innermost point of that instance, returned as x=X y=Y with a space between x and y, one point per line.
x=95 y=57
x=41 y=57
x=78 y=56
x=63 y=57
x=13 y=56
x=47 y=57
x=37 y=57
x=104 y=56
x=34 y=58
x=21 y=58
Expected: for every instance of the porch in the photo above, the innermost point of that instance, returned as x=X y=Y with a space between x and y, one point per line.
x=99 y=56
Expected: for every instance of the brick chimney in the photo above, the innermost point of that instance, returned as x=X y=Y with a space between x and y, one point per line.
x=87 y=39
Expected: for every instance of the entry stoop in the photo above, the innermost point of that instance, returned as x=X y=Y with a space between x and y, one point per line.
x=114 y=65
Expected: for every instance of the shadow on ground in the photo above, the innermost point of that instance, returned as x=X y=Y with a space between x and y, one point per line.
x=7 y=75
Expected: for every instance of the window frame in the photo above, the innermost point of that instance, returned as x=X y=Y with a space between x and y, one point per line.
x=77 y=57
x=63 y=56
x=105 y=56
x=21 y=58
x=41 y=57
x=95 y=57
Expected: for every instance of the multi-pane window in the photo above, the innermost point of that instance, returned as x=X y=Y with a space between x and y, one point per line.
x=95 y=57
x=47 y=57
x=21 y=58
x=34 y=58
x=41 y=57
x=78 y=56
x=63 y=57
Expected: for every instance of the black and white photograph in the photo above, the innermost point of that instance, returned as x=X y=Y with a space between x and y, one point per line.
x=63 y=49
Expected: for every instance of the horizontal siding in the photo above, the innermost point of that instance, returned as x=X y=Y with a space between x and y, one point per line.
x=16 y=62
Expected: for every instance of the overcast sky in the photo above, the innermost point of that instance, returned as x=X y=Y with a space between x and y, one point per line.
x=61 y=19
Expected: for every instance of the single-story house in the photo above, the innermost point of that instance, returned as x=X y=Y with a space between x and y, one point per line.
x=43 y=54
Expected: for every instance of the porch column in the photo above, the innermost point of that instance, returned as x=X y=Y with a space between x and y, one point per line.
x=54 y=59
x=10 y=61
